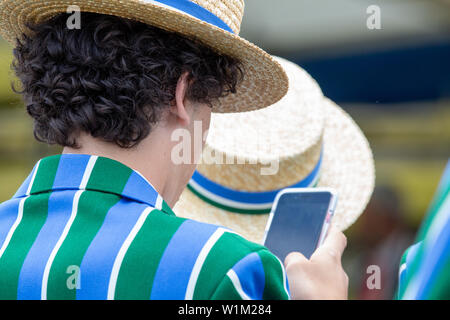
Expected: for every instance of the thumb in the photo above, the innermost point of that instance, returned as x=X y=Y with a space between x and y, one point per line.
x=294 y=258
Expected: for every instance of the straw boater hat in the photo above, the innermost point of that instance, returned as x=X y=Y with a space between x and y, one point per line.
x=214 y=23
x=307 y=137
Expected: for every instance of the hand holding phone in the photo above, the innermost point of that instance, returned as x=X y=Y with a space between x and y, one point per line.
x=299 y=220
x=297 y=227
x=321 y=277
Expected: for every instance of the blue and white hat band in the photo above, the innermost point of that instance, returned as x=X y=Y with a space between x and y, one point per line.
x=244 y=201
x=194 y=10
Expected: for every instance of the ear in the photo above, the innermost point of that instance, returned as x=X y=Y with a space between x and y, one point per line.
x=179 y=107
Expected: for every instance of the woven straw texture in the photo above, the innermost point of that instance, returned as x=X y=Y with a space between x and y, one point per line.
x=265 y=81
x=347 y=164
x=288 y=133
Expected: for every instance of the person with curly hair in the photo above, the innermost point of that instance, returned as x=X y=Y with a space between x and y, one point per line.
x=95 y=222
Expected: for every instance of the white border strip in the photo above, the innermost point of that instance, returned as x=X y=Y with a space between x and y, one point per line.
x=237 y=284
x=227 y=202
x=61 y=239
x=159 y=202
x=87 y=172
x=33 y=178
x=123 y=250
x=284 y=278
x=14 y=226
x=201 y=259
x=19 y=212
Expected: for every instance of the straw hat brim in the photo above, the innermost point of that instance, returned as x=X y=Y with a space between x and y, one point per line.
x=265 y=81
x=347 y=167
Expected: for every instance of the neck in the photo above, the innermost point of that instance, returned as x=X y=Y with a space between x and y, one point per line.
x=151 y=158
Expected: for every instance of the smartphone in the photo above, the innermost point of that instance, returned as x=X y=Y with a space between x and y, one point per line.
x=299 y=220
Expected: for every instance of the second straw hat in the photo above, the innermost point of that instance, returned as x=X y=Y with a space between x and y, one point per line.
x=304 y=140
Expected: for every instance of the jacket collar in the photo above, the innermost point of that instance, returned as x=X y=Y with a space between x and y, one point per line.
x=88 y=172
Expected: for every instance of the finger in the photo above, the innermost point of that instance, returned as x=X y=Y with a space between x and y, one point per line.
x=294 y=257
x=334 y=244
x=336 y=239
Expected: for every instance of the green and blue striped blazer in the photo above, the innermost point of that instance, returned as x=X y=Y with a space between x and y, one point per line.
x=425 y=267
x=88 y=227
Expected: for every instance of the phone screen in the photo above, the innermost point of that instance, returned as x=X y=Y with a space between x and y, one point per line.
x=297 y=223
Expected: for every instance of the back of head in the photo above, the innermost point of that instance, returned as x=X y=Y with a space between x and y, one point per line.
x=112 y=78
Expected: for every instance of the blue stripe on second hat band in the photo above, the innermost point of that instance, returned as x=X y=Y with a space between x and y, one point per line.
x=248 y=196
x=196 y=11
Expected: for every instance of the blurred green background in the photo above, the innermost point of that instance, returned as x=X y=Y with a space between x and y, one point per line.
x=18 y=149
x=393 y=81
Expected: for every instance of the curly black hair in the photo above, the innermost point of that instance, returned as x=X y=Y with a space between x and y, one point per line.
x=112 y=78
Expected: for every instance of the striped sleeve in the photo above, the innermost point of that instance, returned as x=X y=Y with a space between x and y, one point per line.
x=425 y=270
x=258 y=276
x=405 y=265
